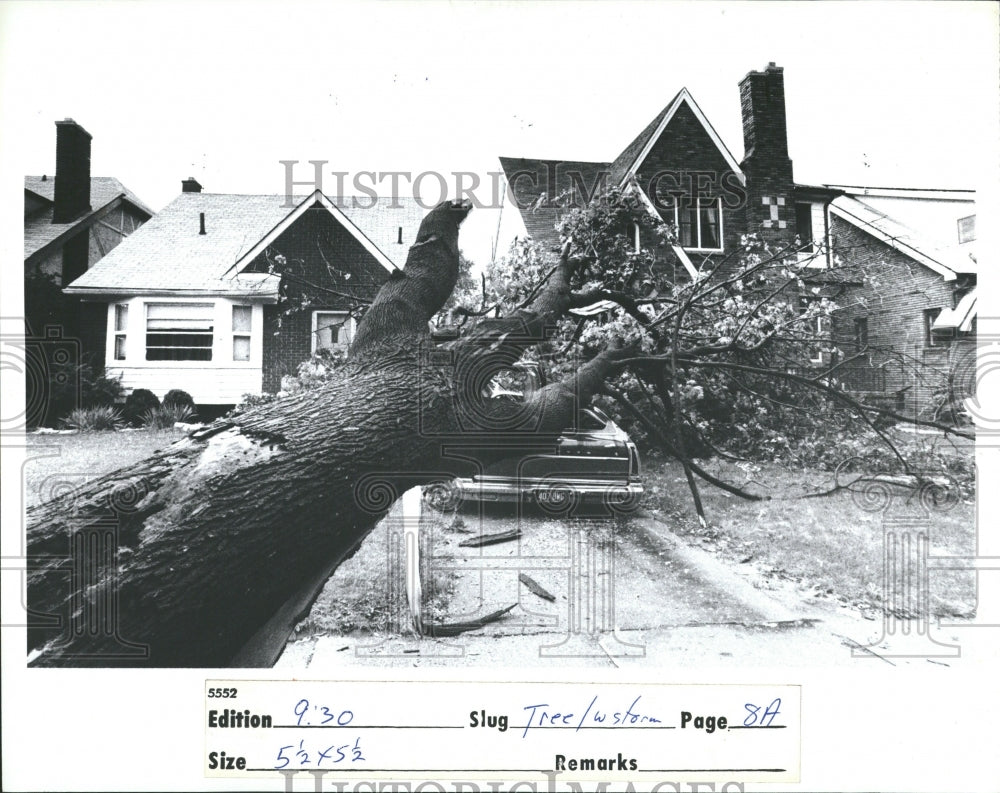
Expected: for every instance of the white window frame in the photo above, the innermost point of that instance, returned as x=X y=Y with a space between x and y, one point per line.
x=241 y=334
x=222 y=342
x=819 y=258
x=349 y=322
x=119 y=333
x=818 y=325
x=210 y=304
x=722 y=233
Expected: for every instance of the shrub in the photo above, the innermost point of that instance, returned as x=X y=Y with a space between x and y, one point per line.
x=94 y=419
x=165 y=416
x=139 y=402
x=176 y=396
x=70 y=386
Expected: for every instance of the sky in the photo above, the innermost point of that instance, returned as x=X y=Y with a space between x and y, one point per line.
x=880 y=94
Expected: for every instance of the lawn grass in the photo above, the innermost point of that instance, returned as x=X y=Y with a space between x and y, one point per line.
x=829 y=546
x=55 y=462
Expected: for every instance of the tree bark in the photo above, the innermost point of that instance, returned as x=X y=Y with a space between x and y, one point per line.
x=180 y=559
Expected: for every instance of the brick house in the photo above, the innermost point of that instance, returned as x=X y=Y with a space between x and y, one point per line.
x=916 y=297
x=71 y=221
x=222 y=295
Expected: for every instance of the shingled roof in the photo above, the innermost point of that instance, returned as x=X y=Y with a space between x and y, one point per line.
x=39 y=230
x=536 y=183
x=169 y=254
x=552 y=178
x=624 y=161
x=947 y=263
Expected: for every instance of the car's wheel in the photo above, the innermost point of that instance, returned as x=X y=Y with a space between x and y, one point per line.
x=556 y=499
x=443 y=496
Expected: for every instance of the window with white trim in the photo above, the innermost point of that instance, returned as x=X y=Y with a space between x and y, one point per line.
x=699 y=227
x=817 y=326
x=934 y=338
x=860 y=332
x=332 y=329
x=242 y=324
x=121 y=328
x=179 y=331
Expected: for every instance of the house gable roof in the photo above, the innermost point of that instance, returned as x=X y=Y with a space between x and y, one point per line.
x=41 y=235
x=533 y=197
x=631 y=159
x=947 y=264
x=168 y=254
x=304 y=206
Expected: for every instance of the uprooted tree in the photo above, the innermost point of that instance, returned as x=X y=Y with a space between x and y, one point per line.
x=180 y=559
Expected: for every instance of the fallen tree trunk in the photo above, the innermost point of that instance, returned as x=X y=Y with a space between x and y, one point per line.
x=180 y=559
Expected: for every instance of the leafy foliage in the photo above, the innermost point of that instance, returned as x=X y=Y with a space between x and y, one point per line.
x=71 y=386
x=178 y=397
x=166 y=415
x=94 y=419
x=733 y=358
x=138 y=403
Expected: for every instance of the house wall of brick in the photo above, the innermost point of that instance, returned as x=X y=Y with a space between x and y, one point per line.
x=288 y=334
x=895 y=293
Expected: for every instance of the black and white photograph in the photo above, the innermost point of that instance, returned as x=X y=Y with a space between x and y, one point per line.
x=384 y=371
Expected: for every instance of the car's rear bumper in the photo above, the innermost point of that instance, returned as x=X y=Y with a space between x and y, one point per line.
x=503 y=489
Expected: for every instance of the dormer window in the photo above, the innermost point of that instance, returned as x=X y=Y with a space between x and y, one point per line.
x=966 y=229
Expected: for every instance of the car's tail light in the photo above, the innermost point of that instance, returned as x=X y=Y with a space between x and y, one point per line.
x=635 y=468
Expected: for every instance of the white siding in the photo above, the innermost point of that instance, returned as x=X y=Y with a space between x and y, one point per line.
x=206 y=384
x=219 y=381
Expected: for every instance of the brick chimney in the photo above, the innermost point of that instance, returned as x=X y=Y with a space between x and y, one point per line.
x=190 y=185
x=72 y=188
x=770 y=208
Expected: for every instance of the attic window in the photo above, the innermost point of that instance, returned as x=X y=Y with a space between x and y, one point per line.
x=179 y=331
x=966 y=229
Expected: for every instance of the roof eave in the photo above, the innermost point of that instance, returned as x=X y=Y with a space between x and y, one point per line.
x=79 y=225
x=946 y=272
x=103 y=293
